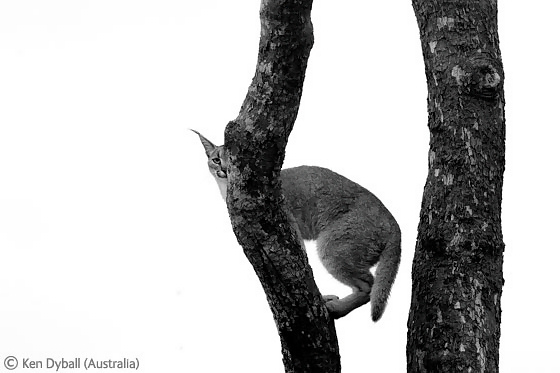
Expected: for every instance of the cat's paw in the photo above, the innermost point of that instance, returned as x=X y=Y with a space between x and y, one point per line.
x=328 y=298
x=334 y=307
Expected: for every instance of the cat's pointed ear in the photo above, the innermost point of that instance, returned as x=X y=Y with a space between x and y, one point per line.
x=208 y=146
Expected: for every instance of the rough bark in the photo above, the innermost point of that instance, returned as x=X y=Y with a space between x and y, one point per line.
x=255 y=142
x=454 y=320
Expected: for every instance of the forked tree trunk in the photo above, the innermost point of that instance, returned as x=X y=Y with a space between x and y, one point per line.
x=256 y=142
x=454 y=321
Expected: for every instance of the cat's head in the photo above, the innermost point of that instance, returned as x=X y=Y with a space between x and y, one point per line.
x=216 y=157
x=217 y=162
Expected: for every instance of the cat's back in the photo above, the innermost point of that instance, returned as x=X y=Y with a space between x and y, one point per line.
x=317 y=197
x=319 y=181
x=317 y=188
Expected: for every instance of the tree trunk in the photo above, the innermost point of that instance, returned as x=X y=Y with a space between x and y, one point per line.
x=454 y=320
x=256 y=143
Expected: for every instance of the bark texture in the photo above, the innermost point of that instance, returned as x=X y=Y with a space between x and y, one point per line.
x=454 y=320
x=255 y=142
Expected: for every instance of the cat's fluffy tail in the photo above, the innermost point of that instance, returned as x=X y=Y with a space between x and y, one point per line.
x=385 y=274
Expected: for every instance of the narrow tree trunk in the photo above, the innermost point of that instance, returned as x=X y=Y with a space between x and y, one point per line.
x=454 y=321
x=256 y=143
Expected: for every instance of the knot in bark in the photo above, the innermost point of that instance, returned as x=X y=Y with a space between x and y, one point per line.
x=478 y=78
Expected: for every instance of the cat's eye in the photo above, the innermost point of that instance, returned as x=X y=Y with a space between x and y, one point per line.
x=216 y=160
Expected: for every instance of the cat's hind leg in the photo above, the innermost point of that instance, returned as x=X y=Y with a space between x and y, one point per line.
x=344 y=260
x=341 y=307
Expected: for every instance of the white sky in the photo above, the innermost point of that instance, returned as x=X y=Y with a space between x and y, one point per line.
x=114 y=240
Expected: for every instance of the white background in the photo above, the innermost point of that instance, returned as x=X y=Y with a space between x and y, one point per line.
x=114 y=240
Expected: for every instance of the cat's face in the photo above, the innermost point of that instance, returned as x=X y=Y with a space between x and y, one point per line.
x=216 y=157
x=217 y=162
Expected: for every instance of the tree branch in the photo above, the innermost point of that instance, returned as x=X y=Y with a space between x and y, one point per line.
x=255 y=142
x=455 y=313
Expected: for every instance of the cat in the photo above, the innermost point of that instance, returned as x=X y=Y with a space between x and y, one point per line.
x=353 y=230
